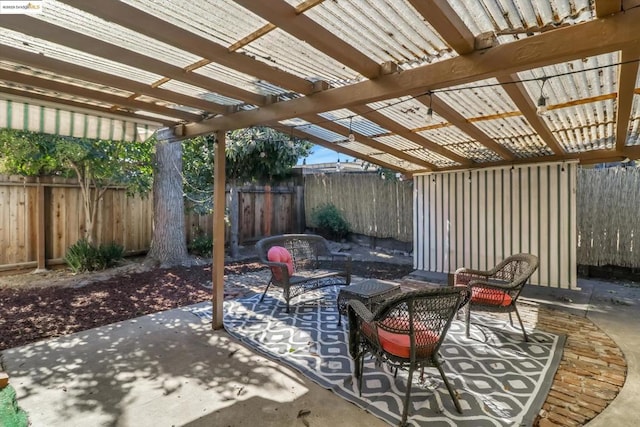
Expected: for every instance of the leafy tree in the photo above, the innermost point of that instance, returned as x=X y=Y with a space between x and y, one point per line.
x=252 y=154
x=96 y=164
x=28 y=153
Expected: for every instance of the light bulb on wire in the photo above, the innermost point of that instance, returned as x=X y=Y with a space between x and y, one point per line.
x=429 y=117
x=542 y=108
x=351 y=137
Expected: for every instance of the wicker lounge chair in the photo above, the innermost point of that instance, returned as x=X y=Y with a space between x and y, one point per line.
x=498 y=289
x=405 y=332
x=302 y=263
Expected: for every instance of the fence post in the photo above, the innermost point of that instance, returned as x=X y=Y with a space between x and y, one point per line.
x=40 y=227
x=268 y=207
x=299 y=204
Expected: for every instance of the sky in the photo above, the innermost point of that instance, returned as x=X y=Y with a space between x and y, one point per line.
x=324 y=155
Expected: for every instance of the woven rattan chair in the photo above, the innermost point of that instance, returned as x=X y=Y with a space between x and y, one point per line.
x=498 y=289
x=405 y=332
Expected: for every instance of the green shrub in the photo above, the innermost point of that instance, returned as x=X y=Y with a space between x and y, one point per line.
x=330 y=221
x=83 y=256
x=201 y=245
x=111 y=254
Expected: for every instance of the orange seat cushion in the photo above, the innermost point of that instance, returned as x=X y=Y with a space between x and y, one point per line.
x=399 y=344
x=280 y=254
x=488 y=296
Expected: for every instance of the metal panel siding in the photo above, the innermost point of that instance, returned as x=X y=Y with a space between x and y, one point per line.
x=477 y=218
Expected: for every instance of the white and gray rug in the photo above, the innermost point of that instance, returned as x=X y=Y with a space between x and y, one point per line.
x=501 y=380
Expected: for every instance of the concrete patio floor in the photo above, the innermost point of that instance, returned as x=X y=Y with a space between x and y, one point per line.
x=171 y=369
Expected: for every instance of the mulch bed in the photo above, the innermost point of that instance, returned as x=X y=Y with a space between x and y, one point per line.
x=31 y=314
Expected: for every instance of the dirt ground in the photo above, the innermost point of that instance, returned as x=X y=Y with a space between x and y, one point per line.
x=38 y=306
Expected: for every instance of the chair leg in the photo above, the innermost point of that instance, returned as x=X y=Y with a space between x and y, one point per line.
x=407 y=397
x=287 y=298
x=524 y=332
x=266 y=289
x=360 y=369
x=452 y=393
x=467 y=319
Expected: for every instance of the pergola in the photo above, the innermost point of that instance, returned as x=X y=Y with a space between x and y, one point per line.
x=411 y=85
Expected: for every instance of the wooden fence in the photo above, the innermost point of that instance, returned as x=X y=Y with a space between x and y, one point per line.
x=263 y=211
x=372 y=206
x=41 y=217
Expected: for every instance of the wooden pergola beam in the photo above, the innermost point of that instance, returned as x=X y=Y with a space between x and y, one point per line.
x=115 y=100
x=521 y=98
x=397 y=129
x=607 y=7
x=589 y=157
x=628 y=73
x=90 y=75
x=55 y=34
x=595 y=37
x=365 y=140
x=447 y=23
x=287 y=18
x=134 y=19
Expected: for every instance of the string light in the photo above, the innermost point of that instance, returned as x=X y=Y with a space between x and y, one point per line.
x=541 y=104
x=429 y=117
x=352 y=137
x=542 y=101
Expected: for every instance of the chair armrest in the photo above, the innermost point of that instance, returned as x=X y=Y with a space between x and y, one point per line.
x=472 y=272
x=463 y=276
x=281 y=265
x=491 y=285
x=360 y=310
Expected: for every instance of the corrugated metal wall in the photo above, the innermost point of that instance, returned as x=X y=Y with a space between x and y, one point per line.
x=477 y=218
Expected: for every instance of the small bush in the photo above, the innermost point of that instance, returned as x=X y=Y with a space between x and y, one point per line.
x=83 y=256
x=201 y=245
x=330 y=221
x=111 y=254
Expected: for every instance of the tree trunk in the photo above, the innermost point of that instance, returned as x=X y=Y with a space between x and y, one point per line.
x=169 y=243
x=234 y=218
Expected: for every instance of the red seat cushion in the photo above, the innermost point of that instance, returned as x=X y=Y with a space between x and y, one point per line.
x=488 y=296
x=399 y=344
x=280 y=254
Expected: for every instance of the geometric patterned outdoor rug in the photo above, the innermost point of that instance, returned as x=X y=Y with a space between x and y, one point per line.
x=500 y=380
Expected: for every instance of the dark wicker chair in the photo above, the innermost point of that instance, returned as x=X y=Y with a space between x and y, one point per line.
x=405 y=332
x=314 y=264
x=498 y=289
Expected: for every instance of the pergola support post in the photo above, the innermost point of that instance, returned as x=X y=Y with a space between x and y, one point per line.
x=217 y=297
